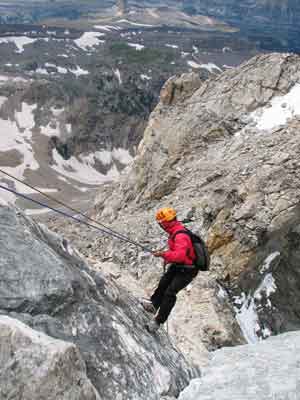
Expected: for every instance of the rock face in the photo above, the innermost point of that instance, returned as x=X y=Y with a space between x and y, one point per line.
x=267 y=370
x=227 y=158
x=45 y=284
x=34 y=366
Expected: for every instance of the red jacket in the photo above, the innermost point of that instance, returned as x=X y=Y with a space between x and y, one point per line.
x=181 y=249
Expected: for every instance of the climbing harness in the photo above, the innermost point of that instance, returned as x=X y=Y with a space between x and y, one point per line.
x=104 y=229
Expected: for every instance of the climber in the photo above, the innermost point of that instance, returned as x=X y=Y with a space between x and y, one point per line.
x=181 y=272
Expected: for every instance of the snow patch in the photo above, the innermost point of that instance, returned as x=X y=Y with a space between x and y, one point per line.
x=42 y=71
x=126 y=21
x=118 y=75
x=247 y=316
x=79 y=71
x=122 y=156
x=18 y=41
x=282 y=108
x=82 y=169
x=49 y=131
x=172 y=46
x=268 y=261
x=137 y=46
x=4 y=79
x=89 y=40
x=107 y=28
x=18 y=136
x=210 y=66
x=146 y=77
x=104 y=156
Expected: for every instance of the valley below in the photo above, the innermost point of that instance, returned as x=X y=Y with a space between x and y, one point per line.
x=76 y=97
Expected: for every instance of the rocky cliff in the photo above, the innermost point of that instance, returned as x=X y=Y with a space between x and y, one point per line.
x=67 y=330
x=227 y=158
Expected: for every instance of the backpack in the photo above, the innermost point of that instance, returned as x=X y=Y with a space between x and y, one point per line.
x=202 y=261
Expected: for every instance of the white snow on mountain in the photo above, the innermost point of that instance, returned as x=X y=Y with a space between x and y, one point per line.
x=268 y=261
x=89 y=40
x=118 y=154
x=42 y=71
x=18 y=41
x=17 y=135
x=118 y=75
x=79 y=71
x=145 y=77
x=209 y=66
x=4 y=79
x=126 y=21
x=193 y=64
x=246 y=306
x=82 y=169
x=172 y=46
x=280 y=110
x=50 y=131
x=137 y=46
x=107 y=28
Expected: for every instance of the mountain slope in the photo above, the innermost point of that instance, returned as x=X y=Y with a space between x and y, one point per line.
x=226 y=156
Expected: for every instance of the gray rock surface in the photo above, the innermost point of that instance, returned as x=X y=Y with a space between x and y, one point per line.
x=45 y=284
x=34 y=366
x=268 y=370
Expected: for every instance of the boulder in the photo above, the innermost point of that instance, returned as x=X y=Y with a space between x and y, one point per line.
x=268 y=370
x=34 y=366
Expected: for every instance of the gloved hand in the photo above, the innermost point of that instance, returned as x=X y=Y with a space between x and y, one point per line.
x=158 y=254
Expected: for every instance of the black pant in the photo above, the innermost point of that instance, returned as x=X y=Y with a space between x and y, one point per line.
x=164 y=298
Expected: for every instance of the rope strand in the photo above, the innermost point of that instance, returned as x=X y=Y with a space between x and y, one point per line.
x=61 y=203
x=107 y=232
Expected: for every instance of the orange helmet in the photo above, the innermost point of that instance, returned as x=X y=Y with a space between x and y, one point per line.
x=165 y=214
